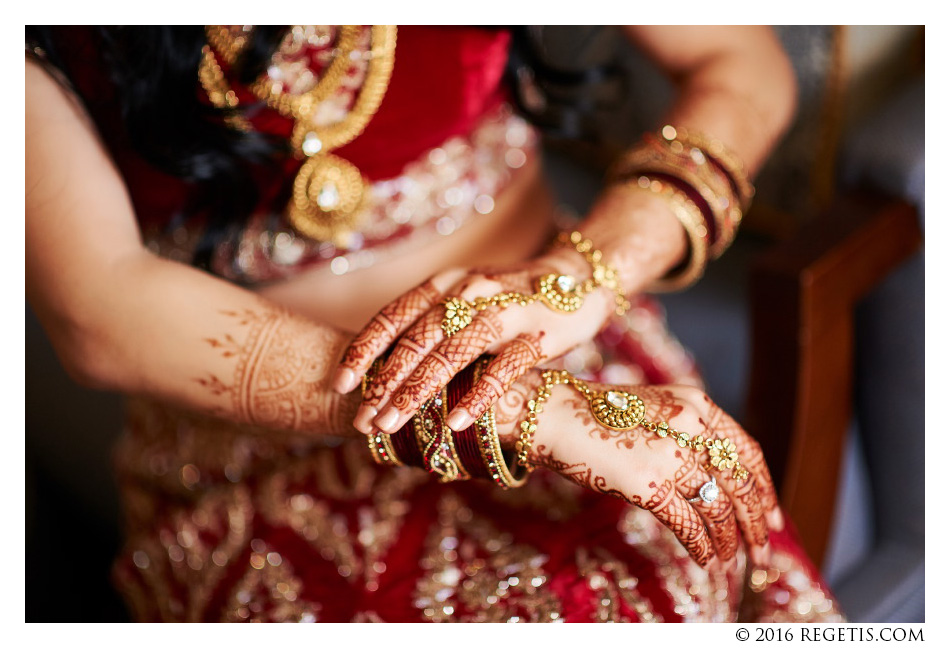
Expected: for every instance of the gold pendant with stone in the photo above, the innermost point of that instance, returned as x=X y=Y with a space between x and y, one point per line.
x=560 y=292
x=328 y=199
x=619 y=410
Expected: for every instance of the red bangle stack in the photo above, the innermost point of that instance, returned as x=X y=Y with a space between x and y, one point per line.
x=699 y=170
x=427 y=442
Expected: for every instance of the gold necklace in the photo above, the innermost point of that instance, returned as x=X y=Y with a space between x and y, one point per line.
x=329 y=192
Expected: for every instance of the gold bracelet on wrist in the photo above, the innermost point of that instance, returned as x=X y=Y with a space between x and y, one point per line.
x=602 y=274
x=689 y=216
x=622 y=410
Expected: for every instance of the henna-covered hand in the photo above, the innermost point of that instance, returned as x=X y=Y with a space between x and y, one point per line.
x=657 y=474
x=423 y=359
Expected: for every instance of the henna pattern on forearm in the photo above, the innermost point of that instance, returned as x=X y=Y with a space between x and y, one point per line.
x=523 y=353
x=280 y=379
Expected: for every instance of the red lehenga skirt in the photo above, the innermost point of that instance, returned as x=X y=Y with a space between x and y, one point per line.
x=231 y=524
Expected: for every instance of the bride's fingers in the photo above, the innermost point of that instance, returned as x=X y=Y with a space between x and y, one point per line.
x=523 y=353
x=439 y=367
x=754 y=461
x=750 y=454
x=748 y=507
x=379 y=333
x=716 y=510
x=678 y=515
x=409 y=351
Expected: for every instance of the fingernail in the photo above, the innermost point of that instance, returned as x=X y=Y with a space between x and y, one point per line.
x=363 y=421
x=345 y=380
x=775 y=519
x=459 y=419
x=760 y=556
x=387 y=420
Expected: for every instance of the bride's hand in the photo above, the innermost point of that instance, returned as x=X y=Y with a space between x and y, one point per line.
x=425 y=358
x=658 y=474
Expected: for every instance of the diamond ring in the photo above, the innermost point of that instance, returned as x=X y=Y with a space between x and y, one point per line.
x=708 y=492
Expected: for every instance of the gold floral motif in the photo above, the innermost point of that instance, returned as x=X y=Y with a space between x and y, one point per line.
x=723 y=454
x=458 y=315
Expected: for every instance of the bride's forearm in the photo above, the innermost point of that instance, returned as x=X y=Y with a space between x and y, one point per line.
x=167 y=331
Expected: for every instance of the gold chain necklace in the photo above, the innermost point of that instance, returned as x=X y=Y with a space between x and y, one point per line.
x=329 y=192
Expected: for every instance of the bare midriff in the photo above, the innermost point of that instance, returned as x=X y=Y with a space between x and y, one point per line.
x=516 y=229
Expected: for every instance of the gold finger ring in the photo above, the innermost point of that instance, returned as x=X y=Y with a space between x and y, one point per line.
x=458 y=315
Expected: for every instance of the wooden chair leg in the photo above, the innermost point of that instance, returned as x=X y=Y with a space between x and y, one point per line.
x=803 y=295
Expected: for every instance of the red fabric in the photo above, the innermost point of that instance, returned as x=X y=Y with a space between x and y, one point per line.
x=444 y=80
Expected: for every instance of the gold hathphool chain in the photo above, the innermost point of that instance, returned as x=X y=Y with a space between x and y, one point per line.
x=329 y=193
x=559 y=292
x=622 y=410
x=602 y=274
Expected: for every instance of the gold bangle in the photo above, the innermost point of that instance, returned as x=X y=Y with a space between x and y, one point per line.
x=380 y=444
x=622 y=410
x=655 y=157
x=436 y=441
x=700 y=148
x=716 y=150
x=602 y=274
x=381 y=447
x=490 y=447
x=689 y=216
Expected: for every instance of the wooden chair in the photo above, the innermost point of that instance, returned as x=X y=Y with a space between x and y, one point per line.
x=803 y=294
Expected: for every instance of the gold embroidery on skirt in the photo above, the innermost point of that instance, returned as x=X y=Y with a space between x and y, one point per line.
x=182 y=564
x=269 y=592
x=474 y=573
x=611 y=583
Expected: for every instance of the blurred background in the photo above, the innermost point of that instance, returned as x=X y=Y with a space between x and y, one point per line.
x=810 y=330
